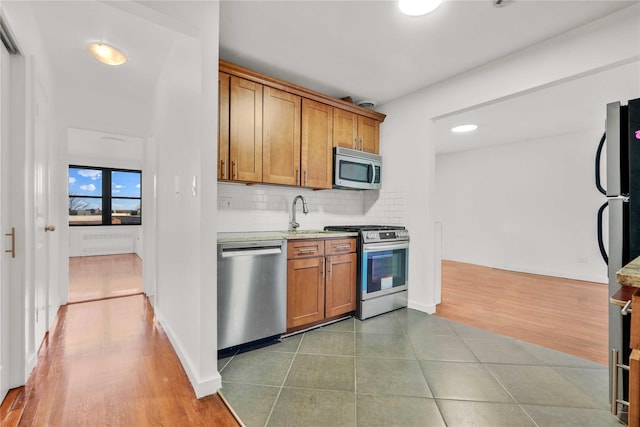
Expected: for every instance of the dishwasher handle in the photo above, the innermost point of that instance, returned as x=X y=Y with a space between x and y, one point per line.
x=251 y=251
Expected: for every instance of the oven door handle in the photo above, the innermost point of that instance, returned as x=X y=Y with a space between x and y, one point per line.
x=374 y=247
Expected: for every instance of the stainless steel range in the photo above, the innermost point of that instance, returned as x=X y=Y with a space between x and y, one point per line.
x=383 y=268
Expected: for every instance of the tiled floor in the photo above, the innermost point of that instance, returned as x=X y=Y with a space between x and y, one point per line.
x=407 y=368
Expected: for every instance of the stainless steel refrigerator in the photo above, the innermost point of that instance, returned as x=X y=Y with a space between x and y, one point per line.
x=622 y=142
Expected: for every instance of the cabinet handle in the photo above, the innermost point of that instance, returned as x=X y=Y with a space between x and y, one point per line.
x=224 y=169
x=307 y=251
x=305 y=177
x=323 y=268
x=234 y=167
x=626 y=309
x=355 y=143
x=330 y=265
x=342 y=247
x=361 y=144
x=297 y=176
x=12 y=251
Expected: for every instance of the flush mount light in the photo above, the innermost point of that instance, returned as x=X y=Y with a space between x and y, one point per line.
x=418 y=7
x=464 y=128
x=106 y=54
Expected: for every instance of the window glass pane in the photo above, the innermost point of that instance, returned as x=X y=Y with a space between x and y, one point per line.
x=125 y=211
x=85 y=182
x=125 y=184
x=85 y=211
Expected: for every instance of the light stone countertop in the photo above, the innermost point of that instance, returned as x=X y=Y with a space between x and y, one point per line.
x=251 y=236
x=629 y=275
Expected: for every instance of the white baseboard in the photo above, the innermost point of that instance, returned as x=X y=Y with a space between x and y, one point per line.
x=32 y=359
x=429 y=309
x=201 y=386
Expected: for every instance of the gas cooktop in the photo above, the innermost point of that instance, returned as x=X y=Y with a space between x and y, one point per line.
x=367 y=227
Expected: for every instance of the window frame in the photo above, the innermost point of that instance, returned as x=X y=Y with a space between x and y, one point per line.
x=107 y=195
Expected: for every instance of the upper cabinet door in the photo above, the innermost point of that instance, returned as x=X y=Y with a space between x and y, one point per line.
x=345 y=129
x=281 y=137
x=368 y=135
x=317 y=144
x=223 y=126
x=245 y=140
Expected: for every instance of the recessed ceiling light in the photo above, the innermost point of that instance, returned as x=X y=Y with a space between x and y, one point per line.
x=464 y=128
x=106 y=54
x=418 y=7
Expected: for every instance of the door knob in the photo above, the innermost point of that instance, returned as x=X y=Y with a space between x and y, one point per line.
x=49 y=228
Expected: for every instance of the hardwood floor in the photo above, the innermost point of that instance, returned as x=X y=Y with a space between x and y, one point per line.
x=109 y=363
x=562 y=314
x=105 y=276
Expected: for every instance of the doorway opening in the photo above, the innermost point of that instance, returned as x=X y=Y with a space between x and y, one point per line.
x=105 y=232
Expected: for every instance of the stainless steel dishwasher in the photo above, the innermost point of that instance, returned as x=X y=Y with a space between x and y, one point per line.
x=252 y=291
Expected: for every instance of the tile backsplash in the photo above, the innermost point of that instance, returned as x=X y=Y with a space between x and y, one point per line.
x=265 y=208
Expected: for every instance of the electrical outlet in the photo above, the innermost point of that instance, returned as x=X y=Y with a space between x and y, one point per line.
x=224 y=203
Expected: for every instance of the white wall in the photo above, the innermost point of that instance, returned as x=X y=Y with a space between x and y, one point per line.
x=408 y=134
x=529 y=206
x=185 y=147
x=97 y=240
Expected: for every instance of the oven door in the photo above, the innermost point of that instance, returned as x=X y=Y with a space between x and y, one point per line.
x=385 y=268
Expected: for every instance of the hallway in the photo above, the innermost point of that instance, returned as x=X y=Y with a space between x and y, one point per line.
x=110 y=363
x=104 y=276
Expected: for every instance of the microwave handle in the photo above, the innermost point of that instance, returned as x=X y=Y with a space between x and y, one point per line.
x=373 y=174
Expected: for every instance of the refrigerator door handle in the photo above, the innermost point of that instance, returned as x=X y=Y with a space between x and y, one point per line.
x=598 y=171
x=603 y=250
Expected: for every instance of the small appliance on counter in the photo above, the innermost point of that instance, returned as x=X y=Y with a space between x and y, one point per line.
x=382 y=268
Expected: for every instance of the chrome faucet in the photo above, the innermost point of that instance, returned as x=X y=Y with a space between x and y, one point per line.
x=293 y=225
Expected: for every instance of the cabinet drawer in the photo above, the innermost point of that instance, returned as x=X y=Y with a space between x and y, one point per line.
x=339 y=246
x=304 y=248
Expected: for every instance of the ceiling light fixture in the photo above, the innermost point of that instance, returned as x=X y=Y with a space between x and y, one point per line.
x=418 y=7
x=464 y=128
x=106 y=54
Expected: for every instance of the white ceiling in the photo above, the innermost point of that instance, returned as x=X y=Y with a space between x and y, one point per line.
x=369 y=50
x=362 y=49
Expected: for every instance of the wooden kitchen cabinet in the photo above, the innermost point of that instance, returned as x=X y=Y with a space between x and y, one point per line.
x=345 y=129
x=245 y=132
x=281 y=137
x=355 y=131
x=305 y=282
x=369 y=135
x=224 y=81
x=321 y=280
x=340 y=283
x=316 y=159
x=275 y=132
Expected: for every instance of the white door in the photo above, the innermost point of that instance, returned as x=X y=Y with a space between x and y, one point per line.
x=5 y=227
x=41 y=181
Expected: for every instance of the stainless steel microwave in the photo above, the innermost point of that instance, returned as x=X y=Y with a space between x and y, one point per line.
x=356 y=170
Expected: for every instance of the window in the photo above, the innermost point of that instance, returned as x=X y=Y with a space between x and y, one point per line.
x=104 y=196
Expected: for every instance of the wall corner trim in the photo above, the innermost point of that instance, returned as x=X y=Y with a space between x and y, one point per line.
x=201 y=386
x=429 y=309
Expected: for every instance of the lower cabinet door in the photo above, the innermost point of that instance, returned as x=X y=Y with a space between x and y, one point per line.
x=340 y=284
x=305 y=291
